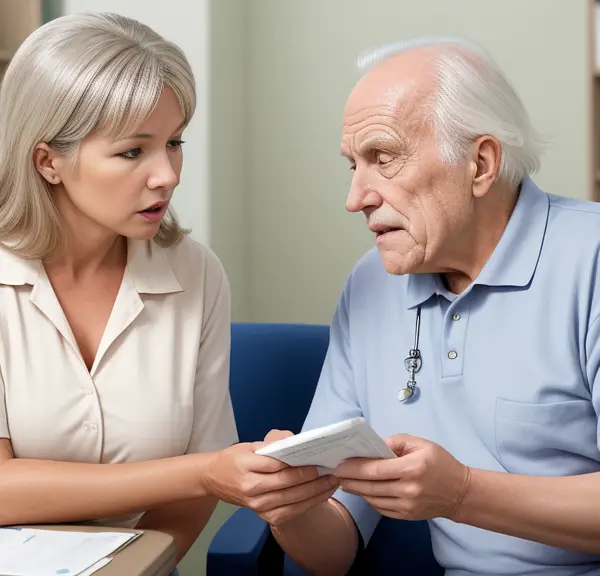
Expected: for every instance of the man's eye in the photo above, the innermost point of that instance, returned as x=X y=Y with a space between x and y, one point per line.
x=384 y=159
x=133 y=153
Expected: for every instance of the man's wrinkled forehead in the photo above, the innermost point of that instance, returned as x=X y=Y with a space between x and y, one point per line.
x=388 y=99
x=394 y=82
x=395 y=92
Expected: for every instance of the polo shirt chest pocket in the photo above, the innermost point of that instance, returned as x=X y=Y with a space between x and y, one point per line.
x=547 y=439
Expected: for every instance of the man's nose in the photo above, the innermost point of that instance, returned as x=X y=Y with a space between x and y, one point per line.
x=362 y=195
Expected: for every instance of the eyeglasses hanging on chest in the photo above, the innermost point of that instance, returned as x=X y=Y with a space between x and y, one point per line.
x=412 y=363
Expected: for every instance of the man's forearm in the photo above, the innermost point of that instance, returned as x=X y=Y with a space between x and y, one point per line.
x=184 y=521
x=559 y=511
x=322 y=541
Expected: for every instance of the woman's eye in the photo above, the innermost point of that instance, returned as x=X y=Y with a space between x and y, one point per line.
x=174 y=144
x=133 y=153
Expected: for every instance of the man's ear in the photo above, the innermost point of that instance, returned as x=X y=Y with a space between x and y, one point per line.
x=44 y=158
x=485 y=162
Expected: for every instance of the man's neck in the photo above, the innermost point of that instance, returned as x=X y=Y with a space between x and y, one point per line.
x=479 y=241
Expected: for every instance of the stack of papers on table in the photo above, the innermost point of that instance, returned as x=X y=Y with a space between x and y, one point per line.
x=35 y=552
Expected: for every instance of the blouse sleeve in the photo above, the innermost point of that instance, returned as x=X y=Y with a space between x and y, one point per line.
x=214 y=424
x=3 y=415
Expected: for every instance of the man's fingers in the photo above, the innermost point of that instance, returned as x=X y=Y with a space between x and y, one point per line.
x=389 y=507
x=383 y=488
x=369 y=469
x=408 y=466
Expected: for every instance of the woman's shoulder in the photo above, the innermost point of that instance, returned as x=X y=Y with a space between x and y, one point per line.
x=195 y=264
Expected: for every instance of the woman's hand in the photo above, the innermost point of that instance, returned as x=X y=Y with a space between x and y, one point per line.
x=274 y=490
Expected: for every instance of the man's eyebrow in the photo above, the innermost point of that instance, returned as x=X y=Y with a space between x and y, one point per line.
x=370 y=143
x=377 y=141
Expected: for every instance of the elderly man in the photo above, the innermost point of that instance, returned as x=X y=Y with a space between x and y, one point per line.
x=489 y=288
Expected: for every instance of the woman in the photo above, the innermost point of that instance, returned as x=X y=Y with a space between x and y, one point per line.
x=114 y=325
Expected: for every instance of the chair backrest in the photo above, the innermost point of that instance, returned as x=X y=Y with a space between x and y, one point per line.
x=400 y=547
x=274 y=372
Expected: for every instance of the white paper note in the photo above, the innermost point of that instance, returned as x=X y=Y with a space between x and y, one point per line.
x=32 y=552
x=326 y=447
x=95 y=567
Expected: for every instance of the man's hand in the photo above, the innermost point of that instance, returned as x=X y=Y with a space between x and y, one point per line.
x=274 y=490
x=425 y=481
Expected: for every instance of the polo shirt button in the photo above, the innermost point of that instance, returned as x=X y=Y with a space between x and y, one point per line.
x=88 y=391
x=92 y=426
x=453 y=354
x=456 y=317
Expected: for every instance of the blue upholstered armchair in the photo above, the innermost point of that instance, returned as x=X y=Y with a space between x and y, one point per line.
x=274 y=372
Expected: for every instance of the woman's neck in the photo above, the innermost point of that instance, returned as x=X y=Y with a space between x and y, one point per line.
x=85 y=256
x=89 y=247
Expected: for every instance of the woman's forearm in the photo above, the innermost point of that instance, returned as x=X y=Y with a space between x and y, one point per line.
x=559 y=511
x=39 y=491
x=184 y=521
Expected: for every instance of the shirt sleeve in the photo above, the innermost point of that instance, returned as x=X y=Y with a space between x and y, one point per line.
x=593 y=370
x=214 y=424
x=3 y=415
x=336 y=399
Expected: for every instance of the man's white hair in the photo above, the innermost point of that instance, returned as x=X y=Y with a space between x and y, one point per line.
x=472 y=98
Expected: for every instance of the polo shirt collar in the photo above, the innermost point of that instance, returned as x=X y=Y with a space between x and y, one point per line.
x=513 y=261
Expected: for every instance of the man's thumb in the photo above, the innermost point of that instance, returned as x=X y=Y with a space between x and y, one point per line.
x=402 y=444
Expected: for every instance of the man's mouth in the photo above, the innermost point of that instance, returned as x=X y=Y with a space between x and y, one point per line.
x=381 y=230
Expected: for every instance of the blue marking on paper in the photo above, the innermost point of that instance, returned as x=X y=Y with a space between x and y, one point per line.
x=63 y=571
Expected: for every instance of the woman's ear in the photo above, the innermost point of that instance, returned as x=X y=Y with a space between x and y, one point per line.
x=486 y=160
x=44 y=158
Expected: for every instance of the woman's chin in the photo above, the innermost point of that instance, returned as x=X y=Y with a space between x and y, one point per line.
x=141 y=233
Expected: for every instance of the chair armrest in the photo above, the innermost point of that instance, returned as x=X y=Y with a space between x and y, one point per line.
x=244 y=546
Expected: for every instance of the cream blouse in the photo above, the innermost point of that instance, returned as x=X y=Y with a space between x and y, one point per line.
x=159 y=385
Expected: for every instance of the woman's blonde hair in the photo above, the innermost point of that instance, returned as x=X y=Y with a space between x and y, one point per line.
x=75 y=76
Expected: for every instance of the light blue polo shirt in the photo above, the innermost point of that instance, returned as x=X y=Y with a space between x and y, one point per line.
x=510 y=374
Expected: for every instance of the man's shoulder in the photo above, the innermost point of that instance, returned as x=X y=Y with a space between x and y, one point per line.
x=570 y=203
x=574 y=223
x=564 y=209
